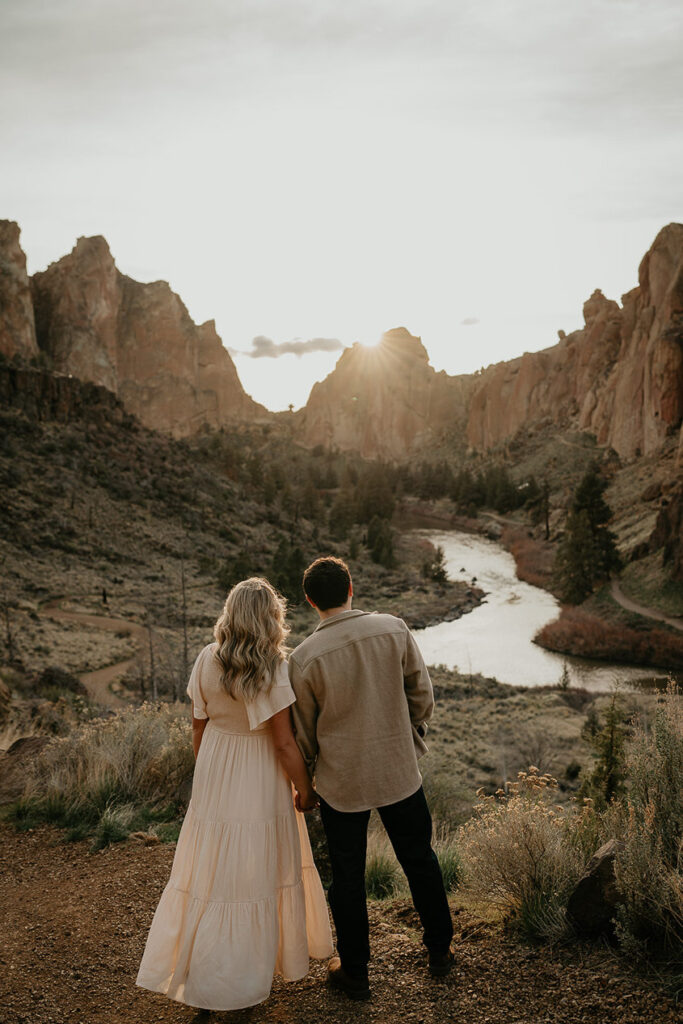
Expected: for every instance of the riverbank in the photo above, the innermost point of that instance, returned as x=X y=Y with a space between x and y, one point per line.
x=600 y=629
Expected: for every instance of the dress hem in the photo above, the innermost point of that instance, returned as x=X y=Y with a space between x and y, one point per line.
x=217 y=1009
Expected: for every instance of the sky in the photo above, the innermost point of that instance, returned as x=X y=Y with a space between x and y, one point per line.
x=311 y=173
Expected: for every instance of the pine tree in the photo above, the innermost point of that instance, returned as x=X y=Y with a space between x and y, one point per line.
x=434 y=568
x=589 y=499
x=575 y=559
x=381 y=542
x=588 y=552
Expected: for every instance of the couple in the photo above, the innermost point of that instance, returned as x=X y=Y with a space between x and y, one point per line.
x=244 y=900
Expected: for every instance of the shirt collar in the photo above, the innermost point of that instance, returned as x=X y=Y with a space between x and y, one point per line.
x=350 y=614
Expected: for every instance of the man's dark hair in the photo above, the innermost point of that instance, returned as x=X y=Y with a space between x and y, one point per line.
x=327 y=582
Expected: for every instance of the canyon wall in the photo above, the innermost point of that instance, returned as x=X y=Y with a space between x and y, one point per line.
x=137 y=340
x=620 y=376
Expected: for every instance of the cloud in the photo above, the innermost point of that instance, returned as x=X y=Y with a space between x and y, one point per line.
x=469 y=321
x=266 y=348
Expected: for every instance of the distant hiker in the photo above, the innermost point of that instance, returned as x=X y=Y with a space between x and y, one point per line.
x=104 y=595
x=363 y=700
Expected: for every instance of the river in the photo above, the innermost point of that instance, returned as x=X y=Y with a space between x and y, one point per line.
x=495 y=639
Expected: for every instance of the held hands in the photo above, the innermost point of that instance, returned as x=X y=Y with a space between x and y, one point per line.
x=306 y=801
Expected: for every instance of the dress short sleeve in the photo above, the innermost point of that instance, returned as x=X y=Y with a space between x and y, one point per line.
x=267 y=704
x=194 y=687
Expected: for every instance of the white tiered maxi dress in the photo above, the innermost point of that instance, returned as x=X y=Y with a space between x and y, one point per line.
x=244 y=900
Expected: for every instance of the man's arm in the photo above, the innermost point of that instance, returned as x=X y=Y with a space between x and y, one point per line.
x=305 y=716
x=417 y=685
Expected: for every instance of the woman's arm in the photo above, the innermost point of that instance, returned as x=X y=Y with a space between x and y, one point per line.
x=291 y=760
x=198 y=727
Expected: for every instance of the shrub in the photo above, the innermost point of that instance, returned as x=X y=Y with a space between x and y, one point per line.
x=578 y=632
x=113 y=826
x=434 y=567
x=450 y=860
x=382 y=873
x=533 y=558
x=516 y=855
x=649 y=867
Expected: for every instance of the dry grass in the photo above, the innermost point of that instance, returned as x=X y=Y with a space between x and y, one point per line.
x=111 y=775
x=649 y=870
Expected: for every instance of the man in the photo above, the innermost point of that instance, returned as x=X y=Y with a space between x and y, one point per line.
x=363 y=700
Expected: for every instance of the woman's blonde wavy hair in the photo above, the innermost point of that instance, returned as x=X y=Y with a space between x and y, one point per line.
x=251 y=634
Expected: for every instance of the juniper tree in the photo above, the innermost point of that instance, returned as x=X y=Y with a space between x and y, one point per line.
x=606 y=781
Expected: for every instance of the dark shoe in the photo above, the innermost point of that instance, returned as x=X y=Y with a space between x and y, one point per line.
x=440 y=964
x=353 y=987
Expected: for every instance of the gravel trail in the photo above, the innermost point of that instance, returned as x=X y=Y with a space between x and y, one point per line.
x=74 y=926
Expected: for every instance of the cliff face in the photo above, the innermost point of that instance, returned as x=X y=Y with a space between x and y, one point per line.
x=384 y=401
x=620 y=376
x=17 y=328
x=139 y=341
x=76 y=303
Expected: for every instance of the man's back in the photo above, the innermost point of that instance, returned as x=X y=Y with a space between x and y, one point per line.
x=362 y=694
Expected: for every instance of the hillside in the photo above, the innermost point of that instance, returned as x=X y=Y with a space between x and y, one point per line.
x=91 y=501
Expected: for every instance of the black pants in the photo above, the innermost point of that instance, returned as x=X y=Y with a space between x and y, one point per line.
x=409 y=827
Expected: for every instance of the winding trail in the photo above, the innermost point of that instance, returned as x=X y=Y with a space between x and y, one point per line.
x=97 y=683
x=641 y=609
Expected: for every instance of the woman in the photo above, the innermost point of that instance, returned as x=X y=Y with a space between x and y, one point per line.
x=244 y=900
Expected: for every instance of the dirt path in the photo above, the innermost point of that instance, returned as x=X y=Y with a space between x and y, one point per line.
x=97 y=682
x=75 y=925
x=649 y=613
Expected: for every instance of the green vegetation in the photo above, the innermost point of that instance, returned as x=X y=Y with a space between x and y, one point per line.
x=587 y=554
x=434 y=567
x=524 y=853
x=606 y=781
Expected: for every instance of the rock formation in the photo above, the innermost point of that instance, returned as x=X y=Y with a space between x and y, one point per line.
x=620 y=376
x=385 y=401
x=559 y=384
x=139 y=341
x=17 y=328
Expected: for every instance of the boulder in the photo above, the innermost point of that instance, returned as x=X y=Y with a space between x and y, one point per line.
x=592 y=905
x=652 y=491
